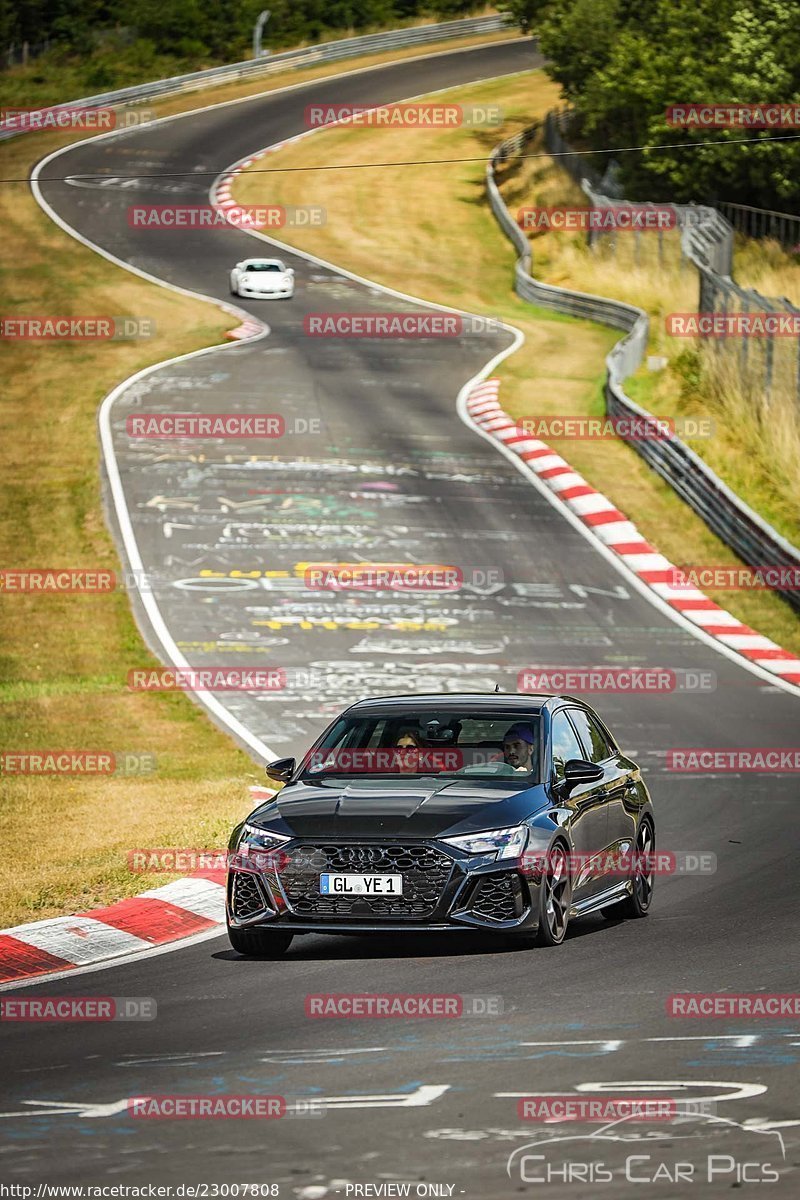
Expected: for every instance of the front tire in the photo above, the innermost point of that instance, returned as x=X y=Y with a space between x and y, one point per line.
x=638 y=903
x=555 y=897
x=259 y=943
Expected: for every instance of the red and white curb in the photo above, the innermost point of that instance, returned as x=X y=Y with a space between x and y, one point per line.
x=165 y=914
x=223 y=202
x=594 y=510
x=221 y=195
x=621 y=536
x=247 y=329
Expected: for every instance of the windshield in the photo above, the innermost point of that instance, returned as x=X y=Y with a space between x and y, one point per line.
x=264 y=267
x=447 y=743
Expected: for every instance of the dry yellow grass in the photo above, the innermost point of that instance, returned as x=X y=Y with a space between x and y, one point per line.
x=755 y=443
x=765 y=266
x=63 y=659
x=444 y=245
x=559 y=257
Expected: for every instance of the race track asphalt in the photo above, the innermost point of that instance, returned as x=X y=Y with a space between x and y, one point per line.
x=394 y=474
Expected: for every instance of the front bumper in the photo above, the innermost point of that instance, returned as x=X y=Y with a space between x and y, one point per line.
x=258 y=294
x=443 y=890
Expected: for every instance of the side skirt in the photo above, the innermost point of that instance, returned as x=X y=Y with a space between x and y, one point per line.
x=618 y=892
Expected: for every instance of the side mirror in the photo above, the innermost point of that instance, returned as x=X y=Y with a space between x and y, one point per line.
x=281 y=770
x=578 y=770
x=289 y=271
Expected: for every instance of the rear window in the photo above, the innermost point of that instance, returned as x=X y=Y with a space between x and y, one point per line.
x=446 y=743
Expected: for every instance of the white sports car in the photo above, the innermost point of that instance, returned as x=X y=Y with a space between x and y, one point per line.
x=267 y=278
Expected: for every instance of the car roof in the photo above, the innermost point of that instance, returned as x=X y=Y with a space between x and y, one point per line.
x=279 y=261
x=479 y=701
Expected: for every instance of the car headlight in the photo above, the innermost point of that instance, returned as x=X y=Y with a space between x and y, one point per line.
x=504 y=843
x=253 y=840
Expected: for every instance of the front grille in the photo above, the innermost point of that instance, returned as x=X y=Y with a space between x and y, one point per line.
x=425 y=873
x=497 y=897
x=247 y=899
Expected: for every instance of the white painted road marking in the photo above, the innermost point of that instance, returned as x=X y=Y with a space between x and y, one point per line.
x=740 y=1091
x=421 y=1097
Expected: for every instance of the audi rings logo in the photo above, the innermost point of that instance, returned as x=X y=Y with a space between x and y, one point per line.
x=362 y=855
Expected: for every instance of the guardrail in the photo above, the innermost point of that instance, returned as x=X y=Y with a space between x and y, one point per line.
x=752 y=538
x=763 y=223
x=706 y=242
x=706 y=237
x=371 y=43
x=578 y=165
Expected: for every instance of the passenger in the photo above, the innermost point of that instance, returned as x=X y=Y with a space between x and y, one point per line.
x=518 y=744
x=408 y=762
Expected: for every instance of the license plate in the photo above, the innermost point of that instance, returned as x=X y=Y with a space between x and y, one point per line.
x=361 y=885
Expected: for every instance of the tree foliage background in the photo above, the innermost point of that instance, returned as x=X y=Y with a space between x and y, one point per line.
x=621 y=63
x=204 y=29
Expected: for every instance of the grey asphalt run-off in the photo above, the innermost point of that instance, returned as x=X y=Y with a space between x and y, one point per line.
x=393 y=474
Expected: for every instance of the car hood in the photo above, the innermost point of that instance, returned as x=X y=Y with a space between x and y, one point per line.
x=394 y=808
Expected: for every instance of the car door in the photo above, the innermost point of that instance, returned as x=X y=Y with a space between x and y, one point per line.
x=586 y=805
x=618 y=783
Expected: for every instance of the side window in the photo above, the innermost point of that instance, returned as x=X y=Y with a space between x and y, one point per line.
x=565 y=744
x=370 y=734
x=596 y=743
x=356 y=734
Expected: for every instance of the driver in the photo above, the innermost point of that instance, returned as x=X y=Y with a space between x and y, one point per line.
x=518 y=748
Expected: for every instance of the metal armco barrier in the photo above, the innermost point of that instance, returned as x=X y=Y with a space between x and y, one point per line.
x=372 y=43
x=706 y=242
x=763 y=223
x=756 y=542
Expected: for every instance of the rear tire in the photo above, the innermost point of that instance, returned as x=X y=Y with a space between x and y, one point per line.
x=259 y=943
x=555 y=897
x=638 y=903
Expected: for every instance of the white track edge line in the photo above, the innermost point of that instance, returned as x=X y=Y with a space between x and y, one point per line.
x=121 y=507
x=204 y=699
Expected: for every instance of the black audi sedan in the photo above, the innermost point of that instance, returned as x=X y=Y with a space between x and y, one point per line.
x=503 y=813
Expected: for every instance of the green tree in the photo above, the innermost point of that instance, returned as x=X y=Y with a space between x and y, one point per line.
x=578 y=38
x=622 y=64
x=525 y=13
